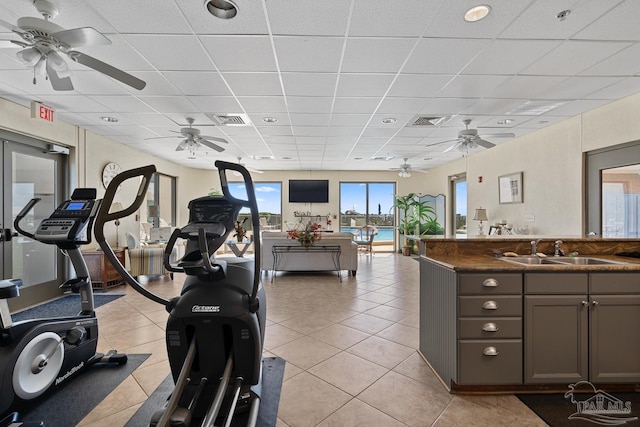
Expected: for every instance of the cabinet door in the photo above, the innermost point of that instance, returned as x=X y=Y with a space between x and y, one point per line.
x=614 y=338
x=556 y=333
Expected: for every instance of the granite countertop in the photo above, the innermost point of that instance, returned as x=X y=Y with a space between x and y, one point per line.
x=471 y=263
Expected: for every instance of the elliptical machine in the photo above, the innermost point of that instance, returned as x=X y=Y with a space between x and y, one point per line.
x=215 y=330
x=40 y=355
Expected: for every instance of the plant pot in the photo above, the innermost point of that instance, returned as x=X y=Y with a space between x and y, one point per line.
x=305 y=243
x=407 y=250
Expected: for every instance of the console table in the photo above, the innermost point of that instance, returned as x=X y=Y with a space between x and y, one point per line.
x=103 y=274
x=280 y=250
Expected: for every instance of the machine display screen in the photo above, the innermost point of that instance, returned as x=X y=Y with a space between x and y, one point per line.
x=75 y=206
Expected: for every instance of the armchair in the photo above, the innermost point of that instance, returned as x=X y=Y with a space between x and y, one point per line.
x=145 y=260
x=364 y=237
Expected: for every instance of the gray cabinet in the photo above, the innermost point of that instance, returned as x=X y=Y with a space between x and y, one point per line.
x=575 y=329
x=489 y=329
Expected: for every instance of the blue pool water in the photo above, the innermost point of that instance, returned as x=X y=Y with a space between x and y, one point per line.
x=383 y=233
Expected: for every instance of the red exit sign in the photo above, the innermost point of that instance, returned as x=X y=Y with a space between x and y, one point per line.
x=42 y=112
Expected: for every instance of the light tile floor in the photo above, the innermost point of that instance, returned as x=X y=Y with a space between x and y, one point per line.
x=350 y=347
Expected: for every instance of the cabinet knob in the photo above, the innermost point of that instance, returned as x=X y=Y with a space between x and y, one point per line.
x=490 y=351
x=490 y=327
x=490 y=283
x=585 y=302
x=490 y=305
x=594 y=302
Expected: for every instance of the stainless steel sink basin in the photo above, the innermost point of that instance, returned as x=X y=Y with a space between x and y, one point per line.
x=529 y=260
x=586 y=261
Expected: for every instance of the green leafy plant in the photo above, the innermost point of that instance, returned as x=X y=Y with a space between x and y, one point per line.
x=414 y=212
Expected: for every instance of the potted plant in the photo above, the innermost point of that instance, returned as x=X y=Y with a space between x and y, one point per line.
x=413 y=211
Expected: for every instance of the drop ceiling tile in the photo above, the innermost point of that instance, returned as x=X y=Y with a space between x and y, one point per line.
x=580 y=106
x=157 y=84
x=526 y=86
x=614 y=25
x=180 y=119
x=160 y=16
x=147 y=120
x=443 y=56
x=263 y=104
x=350 y=119
x=250 y=20
x=198 y=82
x=509 y=56
x=281 y=142
x=310 y=131
x=493 y=106
x=123 y=104
x=299 y=119
x=216 y=104
x=74 y=103
x=537 y=23
x=573 y=57
x=309 y=54
x=175 y=52
x=621 y=89
x=578 y=87
x=310 y=140
x=359 y=85
x=379 y=132
x=282 y=120
x=243 y=131
x=401 y=120
x=623 y=63
x=309 y=84
x=391 y=106
x=416 y=132
x=351 y=105
x=325 y=18
x=94 y=83
x=343 y=131
x=22 y=81
x=309 y=104
x=169 y=104
x=376 y=55
x=254 y=84
x=466 y=86
x=380 y=18
x=274 y=130
x=419 y=85
x=240 y=53
x=338 y=142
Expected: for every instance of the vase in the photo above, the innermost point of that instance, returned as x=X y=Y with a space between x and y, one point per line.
x=305 y=242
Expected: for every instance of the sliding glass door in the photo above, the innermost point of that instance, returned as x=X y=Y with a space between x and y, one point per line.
x=368 y=203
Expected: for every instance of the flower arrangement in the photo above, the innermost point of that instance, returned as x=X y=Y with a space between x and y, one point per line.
x=306 y=235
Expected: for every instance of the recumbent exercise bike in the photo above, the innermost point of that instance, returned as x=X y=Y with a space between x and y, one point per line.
x=41 y=355
x=215 y=330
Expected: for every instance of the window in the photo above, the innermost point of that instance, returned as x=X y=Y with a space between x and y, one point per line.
x=459 y=201
x=269 y=200
x=368 y=203
x=160 y=208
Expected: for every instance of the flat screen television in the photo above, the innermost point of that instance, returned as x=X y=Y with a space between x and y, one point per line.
x=308 y=191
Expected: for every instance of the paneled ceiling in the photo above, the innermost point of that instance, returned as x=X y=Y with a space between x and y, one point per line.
x=315 y=80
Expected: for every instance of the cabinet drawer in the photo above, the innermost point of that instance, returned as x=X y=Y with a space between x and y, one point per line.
x=614 y=283
x=488 y=327
x=488 y=284
x=556 y=283
x=490 y=305
x=489 y=362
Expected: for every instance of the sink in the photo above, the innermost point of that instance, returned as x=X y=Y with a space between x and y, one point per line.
x=532 y=260
x=586 y=261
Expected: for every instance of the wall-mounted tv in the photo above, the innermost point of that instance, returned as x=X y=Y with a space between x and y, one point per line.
x=308 y=191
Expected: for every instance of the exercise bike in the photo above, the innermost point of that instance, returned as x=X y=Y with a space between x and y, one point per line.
x=215 y=330
x=41 y=355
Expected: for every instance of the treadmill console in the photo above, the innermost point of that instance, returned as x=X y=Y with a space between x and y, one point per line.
x=70 y=222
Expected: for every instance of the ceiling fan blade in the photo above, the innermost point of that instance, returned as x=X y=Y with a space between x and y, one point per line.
x=11 y=27
x=210 y=145
x=164 y=137
x=107 y=69
x=182 y=145
x=58 y=83
x=77 y=37
x=441 y=142
x=483 y=143
x=254 y=170
x=224 y=141
x=499 y=135
x=446 y=150
x=421 y=171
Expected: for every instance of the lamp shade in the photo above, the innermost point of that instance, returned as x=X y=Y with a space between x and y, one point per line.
x=480 y=215
x=115 y=207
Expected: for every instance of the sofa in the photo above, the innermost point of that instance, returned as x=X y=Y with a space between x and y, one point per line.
x=304 y=262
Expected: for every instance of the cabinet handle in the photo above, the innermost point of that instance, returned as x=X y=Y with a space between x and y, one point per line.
x=490 y=283
x=490 y=351
x=594 y=302
x=490 y=327
x=490 y=305
x=585 y=302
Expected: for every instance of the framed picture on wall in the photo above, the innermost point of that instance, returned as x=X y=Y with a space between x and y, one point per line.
x=510 y=188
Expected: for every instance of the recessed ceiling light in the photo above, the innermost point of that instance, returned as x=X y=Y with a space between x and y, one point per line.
x=223 y=9
x=357 y=158
x=389 y=120
x=477 y=13
x=428 y=158
x=269 y=120
x=561 y=16
x=505 y=121
x=286 y=158
x=108 y=119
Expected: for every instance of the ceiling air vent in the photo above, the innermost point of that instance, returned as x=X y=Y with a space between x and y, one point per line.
x=422 y=121
x=230 y=119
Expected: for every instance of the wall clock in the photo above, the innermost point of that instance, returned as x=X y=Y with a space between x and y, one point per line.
x=110 y=170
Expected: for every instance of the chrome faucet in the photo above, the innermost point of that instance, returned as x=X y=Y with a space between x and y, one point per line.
x=557 y=250
x=534 y=246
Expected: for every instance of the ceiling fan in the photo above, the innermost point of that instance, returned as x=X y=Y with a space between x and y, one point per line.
x=249 y=169
x=468 y=139
x=44 y=44
x=405 y=169
x=192 y=139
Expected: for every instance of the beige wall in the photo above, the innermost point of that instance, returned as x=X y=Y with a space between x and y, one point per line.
x=550 y=159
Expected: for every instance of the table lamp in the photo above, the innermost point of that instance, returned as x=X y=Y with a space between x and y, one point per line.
x=115 y=207
x=480 y=215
